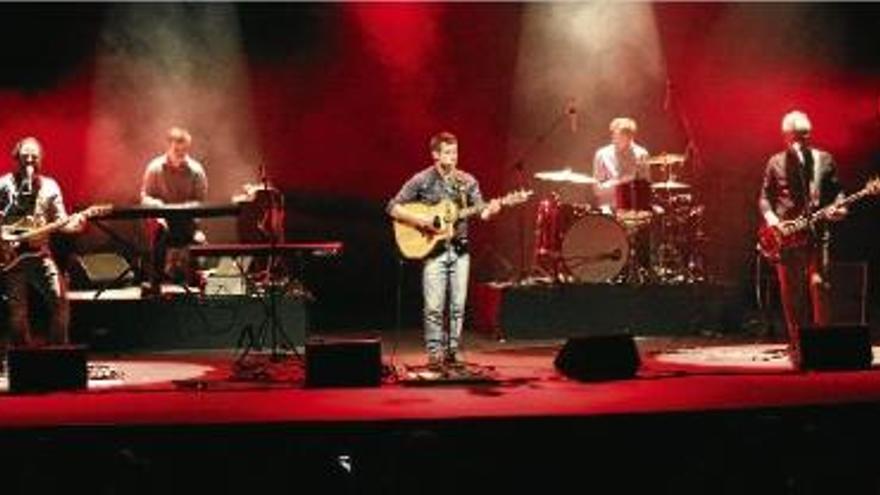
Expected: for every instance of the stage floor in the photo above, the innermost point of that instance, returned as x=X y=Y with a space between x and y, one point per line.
x=203 y=387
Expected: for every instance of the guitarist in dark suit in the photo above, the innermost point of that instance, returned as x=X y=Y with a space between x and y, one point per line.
x=449 y=264
x=28 y=196
x=798 y=181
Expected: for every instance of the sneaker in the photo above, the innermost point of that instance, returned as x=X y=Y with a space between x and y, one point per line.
x=435 y=360
x=452 y=357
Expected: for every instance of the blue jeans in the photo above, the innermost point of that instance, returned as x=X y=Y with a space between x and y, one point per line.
x=454 y=268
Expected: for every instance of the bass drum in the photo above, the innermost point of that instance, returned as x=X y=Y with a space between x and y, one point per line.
x=596 y=249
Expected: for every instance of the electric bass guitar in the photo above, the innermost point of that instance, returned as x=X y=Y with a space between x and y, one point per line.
x=27 y=229
x=773 y=240
x=416 y=243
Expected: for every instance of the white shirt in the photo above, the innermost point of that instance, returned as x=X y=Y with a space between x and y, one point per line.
x=611 y=165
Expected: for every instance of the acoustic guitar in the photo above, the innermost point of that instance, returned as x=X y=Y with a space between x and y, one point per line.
x=416 y=243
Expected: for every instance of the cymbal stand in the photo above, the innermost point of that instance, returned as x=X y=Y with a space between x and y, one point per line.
x=668 y=255
x=635 y=272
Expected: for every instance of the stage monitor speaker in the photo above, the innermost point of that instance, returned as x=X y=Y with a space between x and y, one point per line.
x=594 y=358
x=44 y=369
x=836 y=347
x=343 y=362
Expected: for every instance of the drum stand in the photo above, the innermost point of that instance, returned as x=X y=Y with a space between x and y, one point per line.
x=679 y=247
x=635 y=272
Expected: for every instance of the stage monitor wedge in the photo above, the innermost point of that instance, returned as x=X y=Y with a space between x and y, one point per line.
x=46 y=369
x=836 y=347
x=596 y=358
x=343 y=362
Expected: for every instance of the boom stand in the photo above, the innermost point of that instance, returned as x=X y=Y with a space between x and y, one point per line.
x=519 y=166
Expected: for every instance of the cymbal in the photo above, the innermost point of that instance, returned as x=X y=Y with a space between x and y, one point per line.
x=666 y=159
x=670 y=185
x=565 y=175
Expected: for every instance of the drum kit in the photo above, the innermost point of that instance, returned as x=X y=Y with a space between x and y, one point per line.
x=654 y=233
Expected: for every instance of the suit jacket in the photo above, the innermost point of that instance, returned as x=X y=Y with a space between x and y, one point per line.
x=788 y=189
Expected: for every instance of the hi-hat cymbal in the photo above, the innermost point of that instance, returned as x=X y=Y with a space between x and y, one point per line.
x=565 y=175
x=666 y=159
x=670 y=185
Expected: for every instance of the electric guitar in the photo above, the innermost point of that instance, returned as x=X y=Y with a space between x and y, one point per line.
x=772 y=240
x=416 y=243
x=27 y=229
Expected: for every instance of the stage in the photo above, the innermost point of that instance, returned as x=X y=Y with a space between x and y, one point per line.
x=700 y=413
x=676 y=375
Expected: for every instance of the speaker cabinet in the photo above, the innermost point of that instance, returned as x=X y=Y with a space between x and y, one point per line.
x=44 y=369
x=608 y=357
x=343 y=362
x=837 y=347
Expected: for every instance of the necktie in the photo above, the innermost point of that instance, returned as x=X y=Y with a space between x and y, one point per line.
x=808 y=164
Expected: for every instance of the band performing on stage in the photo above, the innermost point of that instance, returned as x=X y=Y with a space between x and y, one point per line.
x=631 y=221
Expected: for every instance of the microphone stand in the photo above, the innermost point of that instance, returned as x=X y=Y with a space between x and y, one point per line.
x=693 y=157
x=519 y=166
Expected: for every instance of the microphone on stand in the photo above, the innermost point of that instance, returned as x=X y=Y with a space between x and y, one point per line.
x=264 y=179
x=667 y=98
x=27 y=184
x=571 y=111
x=456 y=180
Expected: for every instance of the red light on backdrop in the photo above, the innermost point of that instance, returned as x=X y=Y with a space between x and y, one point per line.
x=402 y=35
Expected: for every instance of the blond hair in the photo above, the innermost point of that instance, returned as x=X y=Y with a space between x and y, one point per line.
x=623 y=124
x=796 y=122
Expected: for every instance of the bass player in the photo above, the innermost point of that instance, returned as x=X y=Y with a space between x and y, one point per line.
x=447 y=266
x=28 y=196
x=798 y=181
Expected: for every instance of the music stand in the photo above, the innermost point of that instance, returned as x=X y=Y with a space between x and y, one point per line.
x=271 y=229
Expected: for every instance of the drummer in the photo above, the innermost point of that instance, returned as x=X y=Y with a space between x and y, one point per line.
x=621 y=161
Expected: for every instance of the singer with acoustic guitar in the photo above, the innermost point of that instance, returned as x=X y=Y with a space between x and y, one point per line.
x=799 y=181
x=448 y=263
x=31 y=200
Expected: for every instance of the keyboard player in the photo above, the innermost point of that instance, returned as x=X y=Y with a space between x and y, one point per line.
x=173 y=177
